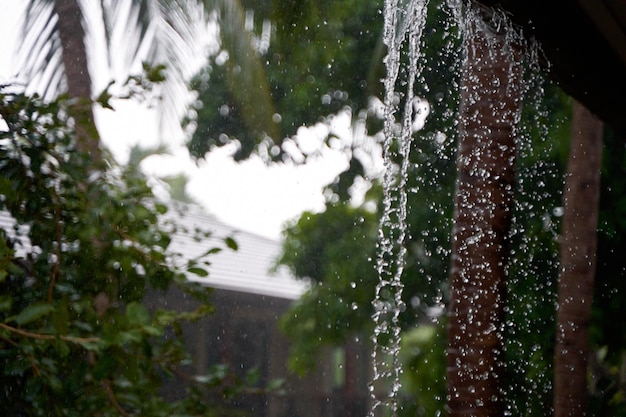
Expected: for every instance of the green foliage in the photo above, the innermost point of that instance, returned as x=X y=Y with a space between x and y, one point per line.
x=309 y=69
x=76 y=334
x=333 y=249
x=422 y=352
x=534 y=265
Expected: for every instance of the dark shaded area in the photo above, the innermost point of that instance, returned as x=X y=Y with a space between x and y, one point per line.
x=584 y=41
x=242 y=340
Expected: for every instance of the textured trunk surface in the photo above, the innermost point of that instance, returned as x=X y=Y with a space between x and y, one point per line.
x=72 y=35
x=578 y=254
x=483 y=202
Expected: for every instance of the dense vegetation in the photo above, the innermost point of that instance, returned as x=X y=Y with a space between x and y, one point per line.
x=78 y=333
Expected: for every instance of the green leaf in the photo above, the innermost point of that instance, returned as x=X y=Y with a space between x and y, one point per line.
x=137 y=314
x=153 y=330
x=253 y=376
x=5 y=303
x=84 y=326
x=275 y=384
x=54 y=383
x=212 y=251
x=230 y=242
x=105 y=97
x=198 y=271
x=160 y=208
x=156 y=73
x=131 y=336
x=62 y=348
x=33 y=312
x=92 y=345
x=165 y=317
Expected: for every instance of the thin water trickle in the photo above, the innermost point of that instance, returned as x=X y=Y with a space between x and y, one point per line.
x=403 y=24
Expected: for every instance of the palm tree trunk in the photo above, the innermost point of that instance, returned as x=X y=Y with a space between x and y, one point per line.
x=72 y=35
x=578 y=253
x=485 y=162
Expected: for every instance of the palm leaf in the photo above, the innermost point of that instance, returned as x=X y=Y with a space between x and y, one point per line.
x=170 y=32
x=247 y=80
x=158 y=32
x=39 y=50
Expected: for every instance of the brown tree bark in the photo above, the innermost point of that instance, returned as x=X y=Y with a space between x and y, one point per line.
x=485 y=162
x=72 y=35
x=578 y=253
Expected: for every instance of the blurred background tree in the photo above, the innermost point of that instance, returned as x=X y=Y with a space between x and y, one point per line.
x=309 y=52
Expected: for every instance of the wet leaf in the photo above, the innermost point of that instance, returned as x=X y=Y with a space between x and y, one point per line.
x=275 y=384
x=5 y=303
x=62 y=348
x=153 y=330
x=104 y=366
x=231 y=243
x=198 y=271
x=137 y=314
x=33 y=312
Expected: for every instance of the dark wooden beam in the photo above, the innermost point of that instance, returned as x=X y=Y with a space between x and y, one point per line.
x=584 y=43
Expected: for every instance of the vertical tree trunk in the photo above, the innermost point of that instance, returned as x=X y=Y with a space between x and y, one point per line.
x=578 y=254
x=485 y=162
x=72 y=34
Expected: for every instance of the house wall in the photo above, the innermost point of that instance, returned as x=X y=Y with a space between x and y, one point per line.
x=243 y=333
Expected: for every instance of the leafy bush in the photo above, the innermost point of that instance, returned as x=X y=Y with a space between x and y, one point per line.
x=76 y=335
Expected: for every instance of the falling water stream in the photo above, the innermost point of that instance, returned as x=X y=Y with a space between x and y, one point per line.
x=404 y=23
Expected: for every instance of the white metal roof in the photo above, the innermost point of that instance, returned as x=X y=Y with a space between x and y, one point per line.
x=247 y=269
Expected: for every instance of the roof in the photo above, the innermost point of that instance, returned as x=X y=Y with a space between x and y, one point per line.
x=584 y=42
x=247 y=269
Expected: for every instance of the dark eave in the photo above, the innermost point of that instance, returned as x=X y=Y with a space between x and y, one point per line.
x=584 y=42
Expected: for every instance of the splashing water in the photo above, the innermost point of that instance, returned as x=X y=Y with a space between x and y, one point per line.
x=402 y=23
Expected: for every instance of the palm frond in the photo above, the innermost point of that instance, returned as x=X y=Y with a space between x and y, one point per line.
x=247 y=77
x=169 y=32
x=178 y=37
x=39 y=50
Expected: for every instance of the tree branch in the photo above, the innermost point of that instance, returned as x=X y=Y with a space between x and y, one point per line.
x=40 y=336
x=112 y=399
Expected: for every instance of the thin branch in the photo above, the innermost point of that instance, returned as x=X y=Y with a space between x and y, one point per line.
x=107 y=387
x=33 y=364
x=40 y=336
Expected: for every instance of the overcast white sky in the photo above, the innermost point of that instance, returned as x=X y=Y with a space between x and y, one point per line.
x=248 y=195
